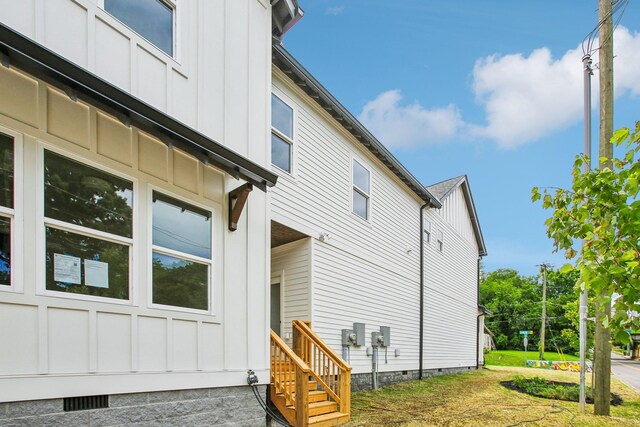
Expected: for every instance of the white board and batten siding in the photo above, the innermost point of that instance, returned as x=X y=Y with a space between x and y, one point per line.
x=58 y=346
x=451 y=287
x=367 y=271
x=216 y=81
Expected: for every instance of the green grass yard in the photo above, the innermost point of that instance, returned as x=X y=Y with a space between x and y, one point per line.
x=477 y=398
x=518 y=358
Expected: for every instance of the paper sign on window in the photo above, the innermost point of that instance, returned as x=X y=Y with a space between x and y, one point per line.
x=96 y=274
x=66 y=269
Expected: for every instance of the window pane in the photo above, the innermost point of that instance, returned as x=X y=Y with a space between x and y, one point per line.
x=5 y=251
x=152 y=19
x=360 y=177
x=181 y=226
x=6 y=171
x=281 y=117
x=84 y=265
x=180 y=283
x=82 y=195
x=360 y=205
x=280 y=153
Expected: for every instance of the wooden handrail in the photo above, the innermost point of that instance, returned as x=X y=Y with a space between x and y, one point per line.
x=329 y=370
x=304 y=328
x=294 y=357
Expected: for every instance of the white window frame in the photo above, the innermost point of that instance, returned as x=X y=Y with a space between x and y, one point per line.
x=354 y=187
x=44 y=222
x=212 y=294
x=15 y=215
x=290 y=141
x=146 y=42
x=427 y=232
x=440 y=240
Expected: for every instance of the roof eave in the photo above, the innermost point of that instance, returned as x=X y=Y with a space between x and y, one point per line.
x=305 y=80
x=33 y=58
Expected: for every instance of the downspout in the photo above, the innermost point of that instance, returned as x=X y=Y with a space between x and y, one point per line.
x=421 y=289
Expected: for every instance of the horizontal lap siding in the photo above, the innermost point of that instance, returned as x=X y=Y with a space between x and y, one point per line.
x=450 y=290
x=348 y=289
x=292 y=262
x=319 y=194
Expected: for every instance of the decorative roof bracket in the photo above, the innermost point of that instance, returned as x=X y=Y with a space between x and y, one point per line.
x=237 y=200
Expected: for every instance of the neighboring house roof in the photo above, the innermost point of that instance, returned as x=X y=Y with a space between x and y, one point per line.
x=23 y=53
x=443 y=189
x=303 y=79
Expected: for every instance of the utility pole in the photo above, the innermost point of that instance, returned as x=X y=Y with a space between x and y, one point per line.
x=602 y=359
x=543 y=319
x=584 y=297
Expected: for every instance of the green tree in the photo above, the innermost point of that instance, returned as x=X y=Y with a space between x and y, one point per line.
x=602 y=209
x=516 y=302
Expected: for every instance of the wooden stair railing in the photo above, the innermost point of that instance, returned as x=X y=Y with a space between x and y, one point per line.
x=310 y=385
x=329 y=370
x=289 y=378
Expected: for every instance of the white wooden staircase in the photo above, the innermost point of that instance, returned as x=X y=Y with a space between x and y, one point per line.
x=310 y=384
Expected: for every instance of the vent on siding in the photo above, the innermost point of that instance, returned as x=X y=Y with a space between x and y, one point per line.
x=85 y=402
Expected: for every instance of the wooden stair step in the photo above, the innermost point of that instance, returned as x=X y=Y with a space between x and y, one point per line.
x=330 y=419
x=314 y=395
x=320 y=408
x=313 y=385
x=317 y=396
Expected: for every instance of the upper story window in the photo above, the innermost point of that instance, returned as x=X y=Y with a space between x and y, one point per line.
x=440 y=239
x=7 y=212
x=152 y=19
x=427 y=231
x=281 y=134
x=361 y=190
x=181 y=253
x=88 y=220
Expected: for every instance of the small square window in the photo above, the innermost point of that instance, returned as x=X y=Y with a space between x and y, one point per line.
x=152 y=19
x=440 y=239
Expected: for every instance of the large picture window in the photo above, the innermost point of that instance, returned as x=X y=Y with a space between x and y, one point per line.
x=281 y=134
x=88 y=229
x=7 y=212
x=361 y=190
x=152 y=19
x=182 y=256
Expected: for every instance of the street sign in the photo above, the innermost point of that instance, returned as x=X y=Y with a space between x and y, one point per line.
x=526 y=333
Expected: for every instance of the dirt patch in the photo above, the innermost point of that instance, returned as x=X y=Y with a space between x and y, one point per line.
x=616 y=399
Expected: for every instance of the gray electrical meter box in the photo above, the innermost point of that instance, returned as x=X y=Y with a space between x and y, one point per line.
x=376 y=339
x=386 y=335
x=358 y=328
x=346 y=336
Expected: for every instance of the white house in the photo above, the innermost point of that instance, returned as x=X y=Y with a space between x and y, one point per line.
x=131 y=277
x=357 y=239
x=144 y=250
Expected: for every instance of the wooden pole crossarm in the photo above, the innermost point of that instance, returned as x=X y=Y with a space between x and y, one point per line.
x=237 y=200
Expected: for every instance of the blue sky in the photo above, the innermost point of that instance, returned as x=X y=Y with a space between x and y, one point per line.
x=491 y=89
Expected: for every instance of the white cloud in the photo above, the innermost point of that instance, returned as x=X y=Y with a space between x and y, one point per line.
x=404 y=126
x=525 y=98
x=335 y=10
